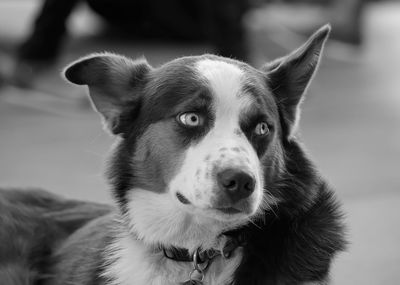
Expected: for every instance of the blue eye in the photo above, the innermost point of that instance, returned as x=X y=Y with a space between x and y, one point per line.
x=261 y=129
x=191 y=119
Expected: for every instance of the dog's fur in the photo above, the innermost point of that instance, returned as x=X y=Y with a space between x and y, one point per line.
x=164 y=176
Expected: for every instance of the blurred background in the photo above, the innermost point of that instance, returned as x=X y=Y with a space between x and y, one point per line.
x=50 y=137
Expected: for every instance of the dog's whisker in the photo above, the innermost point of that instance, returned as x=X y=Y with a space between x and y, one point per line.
x=253 y=223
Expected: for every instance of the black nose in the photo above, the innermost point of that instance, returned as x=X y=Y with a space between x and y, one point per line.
x=236 y=183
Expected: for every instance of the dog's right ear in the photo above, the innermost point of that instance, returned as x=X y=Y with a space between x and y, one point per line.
x=115 y=84
x=290 y=76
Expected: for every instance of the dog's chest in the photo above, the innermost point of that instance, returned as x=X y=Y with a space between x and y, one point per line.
x=132 y=263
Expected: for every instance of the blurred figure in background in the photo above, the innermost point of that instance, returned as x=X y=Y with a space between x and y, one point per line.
x=218 y=22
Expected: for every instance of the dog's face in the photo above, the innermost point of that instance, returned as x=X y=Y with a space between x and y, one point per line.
x=212 y=137
x=201 y=138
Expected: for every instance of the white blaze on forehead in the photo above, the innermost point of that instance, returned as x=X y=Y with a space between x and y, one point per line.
x=224 y=78
x=226 y=82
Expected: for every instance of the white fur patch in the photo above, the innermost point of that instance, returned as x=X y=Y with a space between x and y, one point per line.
x=130 y=261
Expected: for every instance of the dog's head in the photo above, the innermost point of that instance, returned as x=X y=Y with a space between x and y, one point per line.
x=200 y=138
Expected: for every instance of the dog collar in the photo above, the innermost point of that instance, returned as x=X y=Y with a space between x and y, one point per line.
x=201 y=259
x=183 y=255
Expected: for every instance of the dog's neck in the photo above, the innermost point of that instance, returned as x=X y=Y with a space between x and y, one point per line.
x=193 y=238
x=132 y=260
x=185 y=234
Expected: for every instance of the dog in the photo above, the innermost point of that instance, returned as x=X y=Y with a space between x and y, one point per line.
x=211 y=183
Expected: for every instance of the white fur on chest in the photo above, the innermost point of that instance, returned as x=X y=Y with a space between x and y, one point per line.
x=130 y=262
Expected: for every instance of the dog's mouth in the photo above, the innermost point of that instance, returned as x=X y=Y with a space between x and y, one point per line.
x=229 y=210
x=243 y=208
x=182 y=199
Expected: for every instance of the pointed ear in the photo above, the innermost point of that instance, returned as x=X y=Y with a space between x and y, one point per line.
x=115 y=84
x=290 y=76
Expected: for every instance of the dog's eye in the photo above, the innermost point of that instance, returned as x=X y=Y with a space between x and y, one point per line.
x=190 y=119
x=262 y=129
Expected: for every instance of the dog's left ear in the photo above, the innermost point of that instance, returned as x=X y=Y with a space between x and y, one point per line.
x=290 y=76
x=115 y=85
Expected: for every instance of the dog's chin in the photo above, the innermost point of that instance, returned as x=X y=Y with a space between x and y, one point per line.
x=227 y=215
x=236 y=214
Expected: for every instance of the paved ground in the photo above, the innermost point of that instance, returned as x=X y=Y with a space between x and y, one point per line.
x=350 y=123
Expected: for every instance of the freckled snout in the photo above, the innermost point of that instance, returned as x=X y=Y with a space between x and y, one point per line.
x=236 y=184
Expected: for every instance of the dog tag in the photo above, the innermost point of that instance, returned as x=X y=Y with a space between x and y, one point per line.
x=196 y=277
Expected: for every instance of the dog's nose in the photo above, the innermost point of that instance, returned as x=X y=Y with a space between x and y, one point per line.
x=236 y=183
